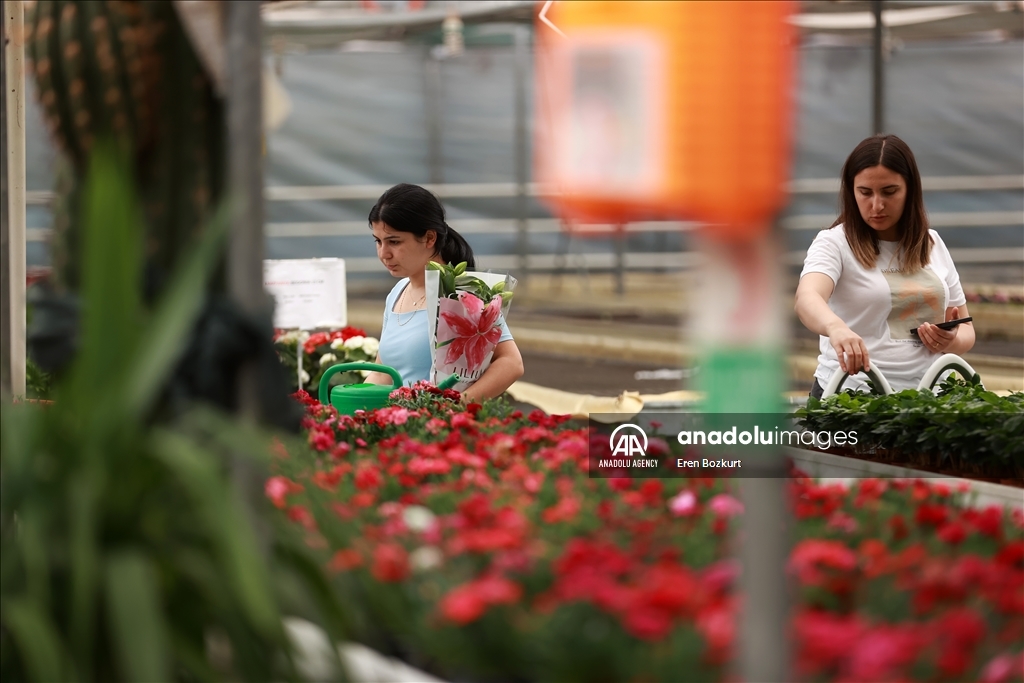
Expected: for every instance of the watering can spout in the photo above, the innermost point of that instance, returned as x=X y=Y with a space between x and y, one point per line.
x=449 y=382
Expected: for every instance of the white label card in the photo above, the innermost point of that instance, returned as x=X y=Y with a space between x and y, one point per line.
x=308 y=293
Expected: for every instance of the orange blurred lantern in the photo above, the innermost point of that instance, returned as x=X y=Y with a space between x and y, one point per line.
x=671 y=109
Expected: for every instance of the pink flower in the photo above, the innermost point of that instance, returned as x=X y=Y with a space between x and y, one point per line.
x=647 y=623
x=321 y=438
x=344 y=560
x=842 y=522
x=461 y=420
x=562 y=511
x=1001 y=669
x=718 y=626
x=476 y=333
x=953 y=533
x=435 y=425
x=724 y=505
x=684 y=504
x=299 y=514
x=394 y=415
x=463 y=605
x=276 y=488
x=422 y=467
x=390 y=563
x=812 y=554
x=389 y=509
x=720 y=577
x=497 y=590
x=882 y=653
x=824 y=639
x=368 y=477
x=468 y=602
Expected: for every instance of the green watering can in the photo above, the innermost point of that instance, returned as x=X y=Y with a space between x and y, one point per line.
x=348 y=398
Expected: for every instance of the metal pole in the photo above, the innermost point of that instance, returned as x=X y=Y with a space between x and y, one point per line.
x=433 y=103
x=620 y=259
x=522 y=37
x=5 y=266
x=764 y=651
x=245 y=157
x=878 y=73
x=14 y=91
x=739 y=326
x=245 y=192
x=298 y=359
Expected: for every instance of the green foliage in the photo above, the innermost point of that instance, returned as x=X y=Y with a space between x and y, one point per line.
x=128 y=553
x=962 y=427
x=453 y=280
x=38 y=384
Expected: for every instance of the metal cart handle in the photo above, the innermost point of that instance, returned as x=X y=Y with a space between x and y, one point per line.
x=838 y=378
x=947 y=361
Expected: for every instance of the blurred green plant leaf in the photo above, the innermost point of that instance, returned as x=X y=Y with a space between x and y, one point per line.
x=165 y=336
x=136 y=619
x=233 y=538
x=36 y=637
x=82 y=498
x=124 y=544
x=111 y=276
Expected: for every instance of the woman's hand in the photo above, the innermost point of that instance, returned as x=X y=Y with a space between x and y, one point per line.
x=505 y=368
x=945 y=341
x=812 y=295
x=849 y=348
x=378 y=377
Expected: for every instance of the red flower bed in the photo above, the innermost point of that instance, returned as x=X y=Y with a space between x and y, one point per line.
x=470 y=540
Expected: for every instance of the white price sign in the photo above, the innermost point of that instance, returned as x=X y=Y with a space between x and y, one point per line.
x=308 y=293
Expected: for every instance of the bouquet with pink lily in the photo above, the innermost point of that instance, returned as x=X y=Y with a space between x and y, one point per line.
x=465 y=311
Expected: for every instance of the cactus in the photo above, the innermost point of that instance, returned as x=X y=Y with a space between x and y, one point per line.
x=125 y=69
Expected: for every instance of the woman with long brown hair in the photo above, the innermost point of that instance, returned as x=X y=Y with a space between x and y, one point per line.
x=880 y=272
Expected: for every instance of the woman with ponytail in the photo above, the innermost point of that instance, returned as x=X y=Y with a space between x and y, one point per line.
x=409 y=229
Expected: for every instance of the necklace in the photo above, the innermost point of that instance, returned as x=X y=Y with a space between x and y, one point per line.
x=401 y=299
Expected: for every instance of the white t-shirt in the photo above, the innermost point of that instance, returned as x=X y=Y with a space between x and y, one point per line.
x=882 y=305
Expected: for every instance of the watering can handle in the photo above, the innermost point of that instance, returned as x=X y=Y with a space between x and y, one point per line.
x=345 y=367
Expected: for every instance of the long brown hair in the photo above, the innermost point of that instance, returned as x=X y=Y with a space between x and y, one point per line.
x=914 y=244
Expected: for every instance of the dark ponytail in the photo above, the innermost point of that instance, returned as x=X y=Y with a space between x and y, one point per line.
x=413 y=209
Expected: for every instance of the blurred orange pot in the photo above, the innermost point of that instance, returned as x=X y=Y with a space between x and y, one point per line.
x=665 y=109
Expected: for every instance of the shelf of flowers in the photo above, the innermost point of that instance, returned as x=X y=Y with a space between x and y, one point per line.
x=469 y=541
x=321 y=350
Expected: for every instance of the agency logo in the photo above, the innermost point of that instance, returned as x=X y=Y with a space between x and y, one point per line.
x=628 y=443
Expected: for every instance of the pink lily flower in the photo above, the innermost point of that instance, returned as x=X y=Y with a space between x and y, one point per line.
x=476 y=333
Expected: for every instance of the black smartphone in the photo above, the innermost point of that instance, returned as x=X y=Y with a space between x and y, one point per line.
x=949 y=324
